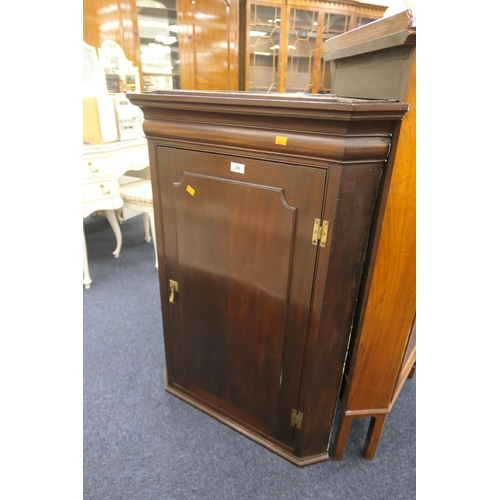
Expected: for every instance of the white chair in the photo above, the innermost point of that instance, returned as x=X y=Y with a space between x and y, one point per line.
x=138 y=195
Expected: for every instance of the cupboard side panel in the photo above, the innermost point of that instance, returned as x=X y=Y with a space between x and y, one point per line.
x=340 y=267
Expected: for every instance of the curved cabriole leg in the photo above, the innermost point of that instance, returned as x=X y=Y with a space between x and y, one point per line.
x=113 y=222
x=86 y=275
x=145 y=220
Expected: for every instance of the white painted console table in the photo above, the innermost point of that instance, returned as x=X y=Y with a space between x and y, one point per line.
x=103 y=165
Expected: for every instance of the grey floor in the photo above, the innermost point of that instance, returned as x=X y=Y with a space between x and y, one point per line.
x=141 y=443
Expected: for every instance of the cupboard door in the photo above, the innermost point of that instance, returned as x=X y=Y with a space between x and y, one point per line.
x=237 y=238
x=208 y=44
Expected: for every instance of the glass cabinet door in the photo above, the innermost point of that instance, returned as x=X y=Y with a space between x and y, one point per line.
x=301 y=50
x=284 y=51
x=264 y=48
x=158 y=28
x=333 y=25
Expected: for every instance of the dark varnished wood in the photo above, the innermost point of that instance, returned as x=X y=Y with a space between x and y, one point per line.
x=382 y=34
x=358 y=191
x=235 y=244
x=327 y=147
x=262 y=318
x=251 y=225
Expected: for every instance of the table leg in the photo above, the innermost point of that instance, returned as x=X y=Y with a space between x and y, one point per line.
x=86 y=275
x=113 y=221
x=374 y=432
x=145 y=221
x=343 y=428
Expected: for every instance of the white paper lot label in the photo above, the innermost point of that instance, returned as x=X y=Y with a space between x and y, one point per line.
x=239 y=168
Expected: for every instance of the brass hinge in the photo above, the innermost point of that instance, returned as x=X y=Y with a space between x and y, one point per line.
x=296 y=420
x=320 y=233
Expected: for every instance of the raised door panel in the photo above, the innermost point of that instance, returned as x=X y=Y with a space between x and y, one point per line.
x=239 y=246
x=233 y=263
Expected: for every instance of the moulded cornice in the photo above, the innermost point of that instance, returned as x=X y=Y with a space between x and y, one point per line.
x=351 y=4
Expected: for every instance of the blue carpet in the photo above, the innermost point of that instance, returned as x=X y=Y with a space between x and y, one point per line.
x=141 y=443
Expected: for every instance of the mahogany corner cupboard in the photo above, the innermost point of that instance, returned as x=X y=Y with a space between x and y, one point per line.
x=263 y=208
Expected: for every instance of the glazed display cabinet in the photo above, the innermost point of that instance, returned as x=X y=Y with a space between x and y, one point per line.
x=284 y=41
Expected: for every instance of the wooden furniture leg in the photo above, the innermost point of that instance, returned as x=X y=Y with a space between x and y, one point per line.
x=341 y=436
x=372 y=439
x=374 y=432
